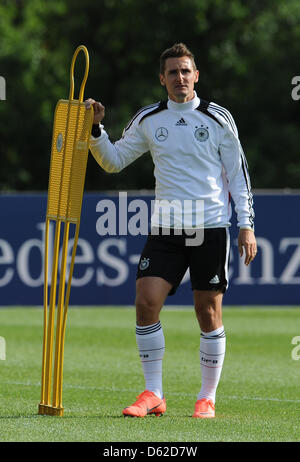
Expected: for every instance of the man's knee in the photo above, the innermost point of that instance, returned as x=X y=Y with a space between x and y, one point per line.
x=147 y=308
x=146 y=302
x=208 y=306
x=150 y=297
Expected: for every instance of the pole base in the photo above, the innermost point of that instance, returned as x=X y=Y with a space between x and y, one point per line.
x=45 y=409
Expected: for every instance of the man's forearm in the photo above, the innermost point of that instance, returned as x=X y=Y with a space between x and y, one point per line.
x=104 y=152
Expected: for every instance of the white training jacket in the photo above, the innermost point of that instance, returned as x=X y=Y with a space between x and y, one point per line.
x=198 y=162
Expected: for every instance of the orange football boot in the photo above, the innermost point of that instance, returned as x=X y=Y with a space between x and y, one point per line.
x=204 y=409
x=147 y=403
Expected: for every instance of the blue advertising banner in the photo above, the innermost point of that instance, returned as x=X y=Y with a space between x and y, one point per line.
x=105 y=266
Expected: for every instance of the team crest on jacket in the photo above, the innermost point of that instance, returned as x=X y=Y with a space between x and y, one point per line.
x=201 y=134
x=144 y=263
x=161 y=134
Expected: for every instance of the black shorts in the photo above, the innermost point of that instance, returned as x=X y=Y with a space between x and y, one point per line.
x=168 y=257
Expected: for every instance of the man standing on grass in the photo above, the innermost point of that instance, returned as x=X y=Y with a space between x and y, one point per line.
x=198 y=162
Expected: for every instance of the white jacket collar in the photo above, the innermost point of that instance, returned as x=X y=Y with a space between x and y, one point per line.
x=183 y=107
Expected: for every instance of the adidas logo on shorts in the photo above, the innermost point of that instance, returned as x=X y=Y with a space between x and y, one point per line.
x=215 y=280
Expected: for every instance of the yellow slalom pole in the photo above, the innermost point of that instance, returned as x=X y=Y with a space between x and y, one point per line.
x=49 y=355
x=61 y=359
x=46 y=247
x=87 y=63
x=55 y=404
x=69 y=152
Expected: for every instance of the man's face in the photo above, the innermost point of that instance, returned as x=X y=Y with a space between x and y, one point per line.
x=179 y=79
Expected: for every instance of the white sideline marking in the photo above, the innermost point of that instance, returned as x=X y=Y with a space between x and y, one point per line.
x=174 y=393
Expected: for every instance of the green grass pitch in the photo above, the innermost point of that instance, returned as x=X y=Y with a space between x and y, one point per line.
x=258 y=398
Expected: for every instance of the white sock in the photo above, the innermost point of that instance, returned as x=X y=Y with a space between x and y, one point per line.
x=151 y=345
x=212 y=352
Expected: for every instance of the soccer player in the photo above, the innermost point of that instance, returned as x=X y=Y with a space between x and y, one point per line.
x=198 y=161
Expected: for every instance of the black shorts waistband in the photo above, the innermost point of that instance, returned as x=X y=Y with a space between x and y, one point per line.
x=184 y=232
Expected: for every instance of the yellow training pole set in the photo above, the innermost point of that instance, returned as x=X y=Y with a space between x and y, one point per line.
x=69 y=153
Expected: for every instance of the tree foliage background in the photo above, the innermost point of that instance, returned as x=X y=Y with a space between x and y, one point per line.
x=247 y=53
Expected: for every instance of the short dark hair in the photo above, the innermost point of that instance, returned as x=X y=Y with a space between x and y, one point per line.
x=178 y=50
